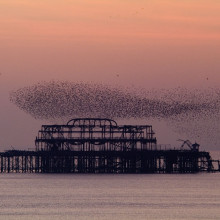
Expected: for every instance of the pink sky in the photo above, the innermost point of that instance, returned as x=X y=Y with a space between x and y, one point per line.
x=151 y=44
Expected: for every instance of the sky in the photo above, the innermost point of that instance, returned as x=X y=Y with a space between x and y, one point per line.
x=149 y=44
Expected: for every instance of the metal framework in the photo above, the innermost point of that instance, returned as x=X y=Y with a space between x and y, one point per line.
x=94 y=145
x=94 y=134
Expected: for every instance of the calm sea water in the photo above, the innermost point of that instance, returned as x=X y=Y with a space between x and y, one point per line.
x=64 y=196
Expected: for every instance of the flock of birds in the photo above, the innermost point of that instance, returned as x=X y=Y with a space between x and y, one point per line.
x=184 y=110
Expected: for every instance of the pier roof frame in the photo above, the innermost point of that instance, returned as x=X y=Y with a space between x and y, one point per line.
x=92 y=122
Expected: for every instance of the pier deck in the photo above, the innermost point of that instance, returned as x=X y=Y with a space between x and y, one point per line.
x=145 y=161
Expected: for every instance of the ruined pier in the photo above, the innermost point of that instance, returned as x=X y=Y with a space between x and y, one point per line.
x=94 y=145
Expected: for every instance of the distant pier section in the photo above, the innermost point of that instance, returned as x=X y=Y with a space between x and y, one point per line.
x=97 y=145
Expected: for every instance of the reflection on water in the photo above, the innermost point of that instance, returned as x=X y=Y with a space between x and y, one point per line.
x=120 y=196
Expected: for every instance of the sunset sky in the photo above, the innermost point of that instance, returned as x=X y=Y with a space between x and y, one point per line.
x=143 y=43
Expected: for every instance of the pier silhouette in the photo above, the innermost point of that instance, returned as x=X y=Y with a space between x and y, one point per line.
x=100 y=145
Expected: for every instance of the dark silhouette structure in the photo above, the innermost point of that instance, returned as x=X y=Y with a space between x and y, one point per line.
x=94 y=145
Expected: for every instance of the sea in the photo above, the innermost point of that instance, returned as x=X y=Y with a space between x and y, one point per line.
x=110 y=196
